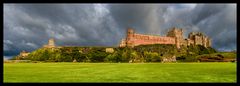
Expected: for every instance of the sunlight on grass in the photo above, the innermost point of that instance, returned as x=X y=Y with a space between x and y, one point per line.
x=120 y=72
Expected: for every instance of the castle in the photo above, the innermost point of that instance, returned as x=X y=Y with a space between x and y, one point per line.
x=50 y=44
x=174 y=36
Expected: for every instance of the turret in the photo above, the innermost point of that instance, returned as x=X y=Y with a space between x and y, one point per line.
x=50 y=44
x=178 y=34
x=130 y=34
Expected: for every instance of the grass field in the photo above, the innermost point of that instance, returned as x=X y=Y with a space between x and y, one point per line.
x=119 y=72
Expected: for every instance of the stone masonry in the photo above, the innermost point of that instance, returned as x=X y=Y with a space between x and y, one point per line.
x=174 y=36
x=51 y=44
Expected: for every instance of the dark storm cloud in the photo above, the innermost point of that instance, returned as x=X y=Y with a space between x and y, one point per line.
x=218 y=21
x=145 y=18
x=29 y=26
x=220 y=25
x=205 y=11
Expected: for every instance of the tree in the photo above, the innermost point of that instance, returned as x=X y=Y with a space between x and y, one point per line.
x=152 y=57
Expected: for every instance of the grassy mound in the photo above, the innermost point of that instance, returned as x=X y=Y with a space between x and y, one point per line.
x=218 y=57
x=142 y=53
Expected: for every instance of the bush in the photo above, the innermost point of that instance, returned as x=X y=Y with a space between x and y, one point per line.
x=152 y=57
x=97 y=56
x=113 y=58
x=187 y=58
x=148 y=53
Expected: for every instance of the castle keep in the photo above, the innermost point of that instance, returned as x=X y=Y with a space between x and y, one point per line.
x=50 y=44
x=174 y=36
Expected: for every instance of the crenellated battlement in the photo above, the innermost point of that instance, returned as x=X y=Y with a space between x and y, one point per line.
x=174 y=36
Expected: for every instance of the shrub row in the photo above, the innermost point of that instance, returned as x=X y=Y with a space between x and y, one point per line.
x=142 y=53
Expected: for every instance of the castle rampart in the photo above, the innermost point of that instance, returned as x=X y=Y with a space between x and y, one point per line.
x=174 y=36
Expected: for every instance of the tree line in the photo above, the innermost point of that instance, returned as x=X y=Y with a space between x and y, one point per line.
x=142 y=53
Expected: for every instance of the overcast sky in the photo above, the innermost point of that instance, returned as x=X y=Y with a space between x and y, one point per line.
x=29 y=26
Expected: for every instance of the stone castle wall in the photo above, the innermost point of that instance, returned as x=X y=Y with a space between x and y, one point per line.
x=174 y=36
x=140 y=39
x=198 y=38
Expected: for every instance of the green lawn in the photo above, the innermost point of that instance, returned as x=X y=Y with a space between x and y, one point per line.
x=119 y=72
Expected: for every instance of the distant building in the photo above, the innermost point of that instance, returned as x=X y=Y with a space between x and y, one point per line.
x=174 y=36
x=169 y=59
x=24 y=53
x=109 y=50
x=51 y=44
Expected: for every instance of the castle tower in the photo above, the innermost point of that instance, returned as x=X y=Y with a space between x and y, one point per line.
x=51 y=42
x=204 y=41
x=199 y=38
x=191 y=36
x=122 y=43
x=178 y=34
x=130 y=35
x=175 y=33
x=209 y=43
